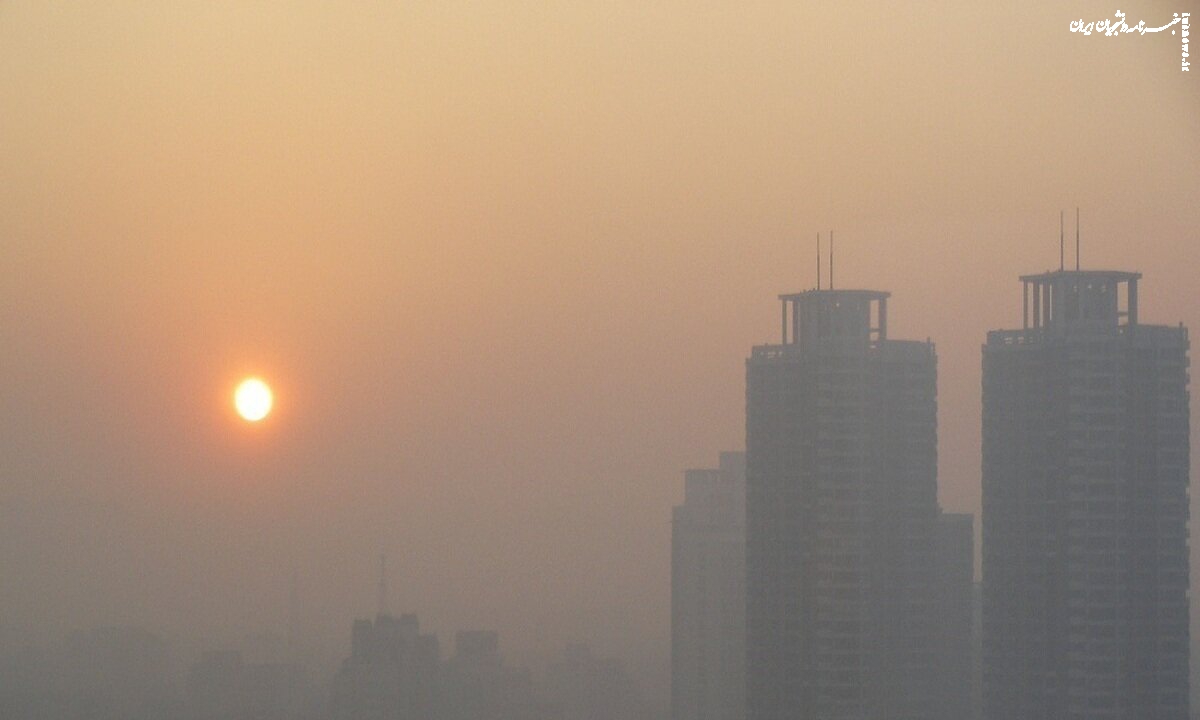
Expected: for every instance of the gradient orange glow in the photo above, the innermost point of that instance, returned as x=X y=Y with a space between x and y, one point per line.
x=502 y=264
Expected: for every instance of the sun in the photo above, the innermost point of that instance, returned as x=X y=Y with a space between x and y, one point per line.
x=253 y=399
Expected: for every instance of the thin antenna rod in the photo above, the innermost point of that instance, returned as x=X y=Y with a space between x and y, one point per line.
x=818 y=261
x=1077 y=238
x=830 y=259
x=383 y=593
x=1061 y=266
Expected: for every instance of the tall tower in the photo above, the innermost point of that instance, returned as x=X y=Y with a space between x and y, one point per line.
x=1085 y=507
x=708 y=594
x=841 y=515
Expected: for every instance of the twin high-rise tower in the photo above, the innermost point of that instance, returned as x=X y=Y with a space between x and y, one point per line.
x=857 y=603
x=841 y=515
x=1085 y=507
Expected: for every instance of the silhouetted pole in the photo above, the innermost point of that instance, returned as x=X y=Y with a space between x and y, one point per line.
x=818 y=261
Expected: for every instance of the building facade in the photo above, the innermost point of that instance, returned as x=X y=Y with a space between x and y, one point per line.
x=708 y=594
x=841 y=516
x=1085 y=507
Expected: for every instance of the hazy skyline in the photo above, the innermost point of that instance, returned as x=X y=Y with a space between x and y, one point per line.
x=502 y=264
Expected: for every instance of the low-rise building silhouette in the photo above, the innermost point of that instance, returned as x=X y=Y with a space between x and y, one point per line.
x=708 y=594
x=584 y=686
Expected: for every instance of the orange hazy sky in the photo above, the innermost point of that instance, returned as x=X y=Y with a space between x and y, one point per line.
x=503 y=262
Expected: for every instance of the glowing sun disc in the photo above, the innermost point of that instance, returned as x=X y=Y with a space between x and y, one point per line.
x=253 y=399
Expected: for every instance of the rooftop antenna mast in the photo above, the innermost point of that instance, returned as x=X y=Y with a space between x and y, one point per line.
x=1076 y=238
x=382 y=599
x=830 y=259
x=818 y=261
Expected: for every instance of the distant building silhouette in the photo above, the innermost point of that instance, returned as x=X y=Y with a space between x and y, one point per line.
x=841 y=516
x=116 y=673
x=584 y=686
x=221 y=686
x=479 y=686
x=214 y=685
x=27 y=681
x=105 y=673
x=708 y=594
x=1085 y=507
x=392 y=672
